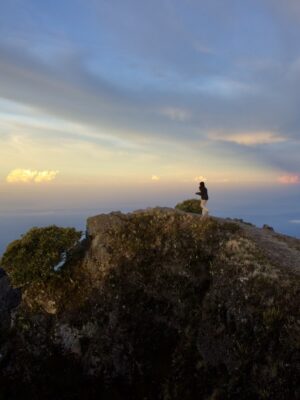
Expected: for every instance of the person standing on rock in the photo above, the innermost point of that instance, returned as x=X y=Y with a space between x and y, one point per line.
x=204 y=198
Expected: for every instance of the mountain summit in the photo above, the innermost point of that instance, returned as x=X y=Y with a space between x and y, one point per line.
x=154 y=304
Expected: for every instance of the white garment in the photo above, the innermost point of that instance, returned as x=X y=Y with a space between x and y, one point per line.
x=204 y=209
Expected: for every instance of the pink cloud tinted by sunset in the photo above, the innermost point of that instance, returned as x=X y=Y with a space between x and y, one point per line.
x=289 y=179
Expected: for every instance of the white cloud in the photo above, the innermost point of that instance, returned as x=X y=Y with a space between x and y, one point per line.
x=200 y=179
x=21 y=176
x=45 y=176
x=249 y=138
x=155 y=178
x=29 y=176
x=295 y=221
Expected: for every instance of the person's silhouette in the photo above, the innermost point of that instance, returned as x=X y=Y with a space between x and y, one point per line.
x=204 y=198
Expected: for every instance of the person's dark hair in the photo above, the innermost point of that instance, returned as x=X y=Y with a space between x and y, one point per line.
x=202 y=184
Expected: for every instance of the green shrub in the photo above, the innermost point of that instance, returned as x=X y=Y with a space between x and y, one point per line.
x=33 y=257
x=191 y=205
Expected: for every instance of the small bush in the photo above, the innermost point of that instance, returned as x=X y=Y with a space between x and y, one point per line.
x=191 y=205
x=33 y=257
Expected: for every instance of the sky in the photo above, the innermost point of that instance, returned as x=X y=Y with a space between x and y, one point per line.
x=110 y=104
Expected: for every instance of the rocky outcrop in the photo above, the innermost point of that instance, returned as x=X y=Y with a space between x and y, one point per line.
x=9 y=300
x=162 y=304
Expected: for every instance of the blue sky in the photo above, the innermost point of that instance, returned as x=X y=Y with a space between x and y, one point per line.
x=148 y=94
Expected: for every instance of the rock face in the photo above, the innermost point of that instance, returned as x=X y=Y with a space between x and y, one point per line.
x=9 y=300
x=161 y=304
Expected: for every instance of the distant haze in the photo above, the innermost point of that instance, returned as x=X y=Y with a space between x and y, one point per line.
x=70 y=207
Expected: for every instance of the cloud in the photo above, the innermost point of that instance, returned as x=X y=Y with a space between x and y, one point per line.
x=45 y=176
x=147 y=84
x=200 y=179
x=176 y=114
x=226 y=87
x=289 y=179
x=30 y=176
x=295 y=221
x=155 y=178
x=249 y=138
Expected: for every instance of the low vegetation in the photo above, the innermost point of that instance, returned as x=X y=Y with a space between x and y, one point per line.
x=32 y=258
x=191 y=205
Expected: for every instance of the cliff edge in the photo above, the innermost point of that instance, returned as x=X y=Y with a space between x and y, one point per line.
x=159 y=304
